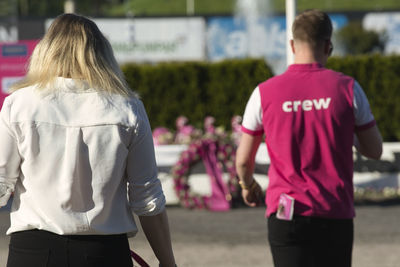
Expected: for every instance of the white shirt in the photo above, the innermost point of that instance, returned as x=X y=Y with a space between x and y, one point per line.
x=78 y=161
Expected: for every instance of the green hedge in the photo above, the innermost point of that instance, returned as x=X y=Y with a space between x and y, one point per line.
x=195 y=89
x=222 y=89
x=379 y=76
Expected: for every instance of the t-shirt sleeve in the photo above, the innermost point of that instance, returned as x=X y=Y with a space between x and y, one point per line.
x=252 y=118
x=362 y=111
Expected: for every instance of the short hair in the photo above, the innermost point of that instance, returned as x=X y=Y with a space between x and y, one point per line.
x=313 y=27
x=74 y=47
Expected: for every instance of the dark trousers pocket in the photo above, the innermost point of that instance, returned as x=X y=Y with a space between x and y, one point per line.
x=18 y=257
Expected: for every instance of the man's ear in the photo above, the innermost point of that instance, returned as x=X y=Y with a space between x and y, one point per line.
x=292 y=46
x=328 y=47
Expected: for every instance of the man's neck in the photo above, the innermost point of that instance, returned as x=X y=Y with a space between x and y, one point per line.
x=309 y=59
x=305 y=55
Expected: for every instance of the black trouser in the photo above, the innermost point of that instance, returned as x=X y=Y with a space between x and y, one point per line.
x=311 y=242
x=35 y=248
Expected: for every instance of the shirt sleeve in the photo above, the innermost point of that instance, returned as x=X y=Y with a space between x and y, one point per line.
x=9 y=156
x=252 y=118
x=145 y=193
x=362 y=112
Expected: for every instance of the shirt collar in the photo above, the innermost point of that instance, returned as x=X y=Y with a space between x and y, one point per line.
x=72 y=85
x=306 y=67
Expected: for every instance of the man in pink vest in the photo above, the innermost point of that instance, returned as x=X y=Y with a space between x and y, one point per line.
x=311 y=117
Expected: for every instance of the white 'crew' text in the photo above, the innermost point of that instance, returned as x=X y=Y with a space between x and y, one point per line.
x=306 y=105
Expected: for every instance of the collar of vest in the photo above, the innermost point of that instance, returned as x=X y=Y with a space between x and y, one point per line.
x=306 y=67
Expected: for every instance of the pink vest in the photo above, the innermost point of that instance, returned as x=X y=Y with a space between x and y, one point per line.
x=309 y=124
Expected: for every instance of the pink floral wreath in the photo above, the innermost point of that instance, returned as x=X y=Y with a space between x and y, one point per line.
x=217 y=156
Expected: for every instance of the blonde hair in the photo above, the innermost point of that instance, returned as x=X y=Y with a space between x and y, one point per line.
x=74 y=47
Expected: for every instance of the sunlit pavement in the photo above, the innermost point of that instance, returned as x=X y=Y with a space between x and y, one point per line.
x=239 y=237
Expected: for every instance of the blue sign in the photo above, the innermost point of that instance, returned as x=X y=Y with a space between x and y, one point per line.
x=263 y=37
x=15 y=50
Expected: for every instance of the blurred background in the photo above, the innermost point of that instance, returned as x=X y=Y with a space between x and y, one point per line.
x=211 y=54
x=209 y=31
x=202 y=58
x=181 y=30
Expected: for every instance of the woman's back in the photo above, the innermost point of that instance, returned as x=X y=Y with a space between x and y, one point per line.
x=74 y=147
x=78 y=154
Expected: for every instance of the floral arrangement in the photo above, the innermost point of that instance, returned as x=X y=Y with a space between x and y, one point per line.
x=217 y=156
x=212 y=146
x=216 y=148
x=186 y=133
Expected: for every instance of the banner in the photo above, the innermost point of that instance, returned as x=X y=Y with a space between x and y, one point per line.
x=154 y=39
x=13 y=60
x=263 y=37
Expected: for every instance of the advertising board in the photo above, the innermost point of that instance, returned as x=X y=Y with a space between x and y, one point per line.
x=13 y=60
x=236 y=37
x=154 y=39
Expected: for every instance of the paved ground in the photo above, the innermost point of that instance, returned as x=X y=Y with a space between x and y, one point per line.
x=239 y=237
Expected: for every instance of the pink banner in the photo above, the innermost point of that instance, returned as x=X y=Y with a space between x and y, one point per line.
x=13 y=61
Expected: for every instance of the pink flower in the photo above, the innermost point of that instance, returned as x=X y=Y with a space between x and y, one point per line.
x=162 y=136
x=236 y=129
x=180 y=122
x=184 y=132
x=209 y=125
x=236 y=124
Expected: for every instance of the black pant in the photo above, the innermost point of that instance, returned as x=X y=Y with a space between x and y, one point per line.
x=311 y=242
x=35 y=248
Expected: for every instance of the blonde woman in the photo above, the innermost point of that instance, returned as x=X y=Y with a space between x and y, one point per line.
x=76 y=150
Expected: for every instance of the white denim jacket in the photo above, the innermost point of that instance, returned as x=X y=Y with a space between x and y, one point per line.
x=77 y=161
